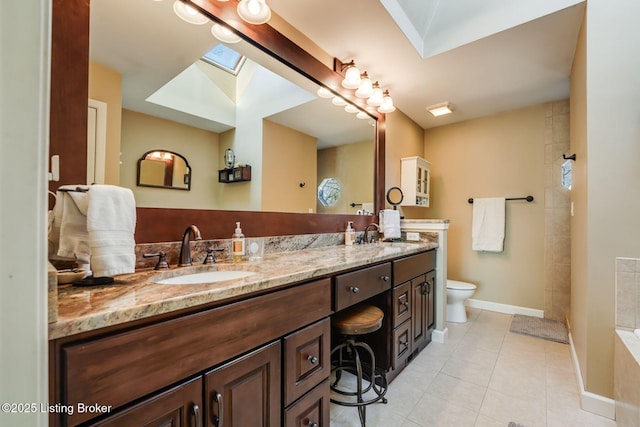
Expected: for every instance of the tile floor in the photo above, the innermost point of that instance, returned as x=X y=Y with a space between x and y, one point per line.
x=483 y=375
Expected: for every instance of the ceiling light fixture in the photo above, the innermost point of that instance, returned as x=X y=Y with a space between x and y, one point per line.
x=351 y=75
x=188 y=13
x=440 y=109
x=254 y=11
x=387 y=104
x=224 y=34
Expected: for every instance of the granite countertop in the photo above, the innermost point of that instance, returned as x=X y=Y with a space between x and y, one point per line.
x=136 y=296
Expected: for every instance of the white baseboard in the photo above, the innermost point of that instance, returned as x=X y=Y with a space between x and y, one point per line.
x=591 y=402
x=440 y=335
x=503 y=308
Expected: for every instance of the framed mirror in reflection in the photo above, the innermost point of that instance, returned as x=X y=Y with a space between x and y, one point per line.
x=164 y=169
x=267 y=113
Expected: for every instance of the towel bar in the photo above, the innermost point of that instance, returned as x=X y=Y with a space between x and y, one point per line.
x=528 y=199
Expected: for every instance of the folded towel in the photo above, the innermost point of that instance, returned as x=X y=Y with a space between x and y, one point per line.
x=111 y=223
x=391 y=224
x=68 y=232
x=487 y=229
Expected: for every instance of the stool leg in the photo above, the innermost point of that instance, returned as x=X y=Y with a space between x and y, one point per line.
x=359 y=392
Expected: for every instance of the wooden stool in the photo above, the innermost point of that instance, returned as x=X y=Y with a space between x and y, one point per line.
x=355 y=321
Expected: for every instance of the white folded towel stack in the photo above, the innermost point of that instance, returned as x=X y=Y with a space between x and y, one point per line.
x=487 y=229
x=111 y=223
x=391 y=224
x=68 y=232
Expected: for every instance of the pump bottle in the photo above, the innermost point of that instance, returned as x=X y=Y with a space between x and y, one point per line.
x=237 y=244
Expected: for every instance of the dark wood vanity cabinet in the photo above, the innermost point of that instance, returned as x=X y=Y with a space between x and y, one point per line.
x=259 y=361
x=413 y=307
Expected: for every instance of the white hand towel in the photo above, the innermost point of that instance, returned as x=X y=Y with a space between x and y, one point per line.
x=391 y=224
x=68 y=234
x=487 y=230
x=111 y=223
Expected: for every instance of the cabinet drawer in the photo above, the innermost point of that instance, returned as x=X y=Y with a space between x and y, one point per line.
x=307 y=363
x=311 y=410
x=401 y=303
x=117 y=369
x=401 y=344
x=351 y=288
x=407 y=268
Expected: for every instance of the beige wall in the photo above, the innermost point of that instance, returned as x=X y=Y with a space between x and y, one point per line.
x=607 y=206
x=501 y=155
x=288 y=159
x=105 y=84
x=352 y=164
x=404 y=138
x=579 y=239
x=142 y=133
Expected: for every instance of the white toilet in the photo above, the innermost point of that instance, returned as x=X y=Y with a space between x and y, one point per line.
x=457 y=293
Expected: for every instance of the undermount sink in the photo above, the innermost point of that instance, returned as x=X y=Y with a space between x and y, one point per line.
x=205 y=277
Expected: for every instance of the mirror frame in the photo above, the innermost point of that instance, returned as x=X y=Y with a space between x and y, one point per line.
x=68 y=127
x=168 y=187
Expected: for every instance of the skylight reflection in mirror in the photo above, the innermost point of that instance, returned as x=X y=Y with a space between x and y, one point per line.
x=225 y=58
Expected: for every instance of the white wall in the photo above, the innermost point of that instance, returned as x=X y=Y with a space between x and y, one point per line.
x=24 y=130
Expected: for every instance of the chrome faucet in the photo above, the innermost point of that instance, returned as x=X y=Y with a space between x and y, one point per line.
x=366 y=232
x=185 y=249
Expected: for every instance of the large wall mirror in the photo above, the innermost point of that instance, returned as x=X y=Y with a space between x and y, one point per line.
x=184 y=91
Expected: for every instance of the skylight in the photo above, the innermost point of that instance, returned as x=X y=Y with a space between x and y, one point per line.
x=225 y=58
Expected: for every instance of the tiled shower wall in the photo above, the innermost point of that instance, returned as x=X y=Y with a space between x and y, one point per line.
x=557 y=202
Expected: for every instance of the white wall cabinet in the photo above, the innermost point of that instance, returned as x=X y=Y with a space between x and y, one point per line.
x=415 y=181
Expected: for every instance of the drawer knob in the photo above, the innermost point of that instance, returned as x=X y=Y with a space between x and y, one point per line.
x=354 y=289
x=312 y=424
x=404 y=303
x=313 y=360
x=384 y=278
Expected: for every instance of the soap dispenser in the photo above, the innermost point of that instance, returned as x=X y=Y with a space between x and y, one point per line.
x=349 y=234
x=237 y=244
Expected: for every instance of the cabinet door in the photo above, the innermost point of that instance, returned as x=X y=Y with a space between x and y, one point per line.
x=420 y=311
x=246 y=391
x=180 y=406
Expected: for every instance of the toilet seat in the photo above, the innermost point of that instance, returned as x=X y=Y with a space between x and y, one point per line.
x=463 y=286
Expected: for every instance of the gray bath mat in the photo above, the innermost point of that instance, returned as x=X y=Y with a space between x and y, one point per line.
x=512 y=424
x=547 y=329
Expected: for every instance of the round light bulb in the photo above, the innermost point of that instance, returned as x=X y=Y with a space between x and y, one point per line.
x=339 y=101
x=188 y=13
x=350 y=108
x=254 y=11
x=224 y=34
x=323 y=92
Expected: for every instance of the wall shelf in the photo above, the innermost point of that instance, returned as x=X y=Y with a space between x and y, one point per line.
x=239 y=174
